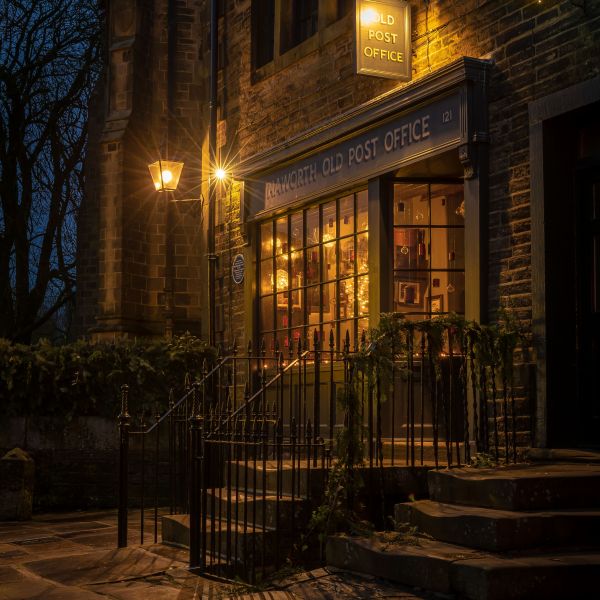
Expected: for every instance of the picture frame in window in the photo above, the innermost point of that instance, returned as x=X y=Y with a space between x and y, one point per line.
x=436 y=304
x=408 y=292
x=296 y=297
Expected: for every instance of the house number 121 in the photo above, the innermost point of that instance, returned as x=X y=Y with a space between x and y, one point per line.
x=447 y=116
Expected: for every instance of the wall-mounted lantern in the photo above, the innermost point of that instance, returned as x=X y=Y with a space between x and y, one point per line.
x=165 y=174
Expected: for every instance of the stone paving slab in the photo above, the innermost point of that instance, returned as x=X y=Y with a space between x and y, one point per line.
x=99 y=539
x=74 y=528
x=72 y=556
x=329 y=582
x=138 y=589
x=44 y=590
x=50 y=553
x=19 y=585
x=102 y=566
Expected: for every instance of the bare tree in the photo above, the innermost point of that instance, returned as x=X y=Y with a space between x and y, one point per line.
x=49 y=63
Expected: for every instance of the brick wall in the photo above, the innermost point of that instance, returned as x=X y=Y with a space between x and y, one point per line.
x=536 y=48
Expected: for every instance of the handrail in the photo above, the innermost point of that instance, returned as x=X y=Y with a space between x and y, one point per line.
x=185 y=396
x=258 y=393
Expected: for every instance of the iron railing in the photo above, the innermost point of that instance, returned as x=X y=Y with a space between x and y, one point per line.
x=246 y=451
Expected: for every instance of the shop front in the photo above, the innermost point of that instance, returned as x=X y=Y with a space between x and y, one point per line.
x=381 y=210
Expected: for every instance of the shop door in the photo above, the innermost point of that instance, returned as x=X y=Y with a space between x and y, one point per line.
x=587 y=190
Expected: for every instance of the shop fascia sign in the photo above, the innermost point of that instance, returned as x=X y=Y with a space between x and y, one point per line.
x=382 y=39
x=383 y=147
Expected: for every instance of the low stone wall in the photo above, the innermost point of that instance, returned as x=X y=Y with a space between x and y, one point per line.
x=76 y=462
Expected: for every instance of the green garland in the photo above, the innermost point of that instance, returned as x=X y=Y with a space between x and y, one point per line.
x=377 y=359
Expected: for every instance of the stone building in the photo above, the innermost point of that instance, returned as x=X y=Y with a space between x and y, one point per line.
x=470 y=183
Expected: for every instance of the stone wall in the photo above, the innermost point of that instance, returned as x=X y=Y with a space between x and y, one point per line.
x=121 y=279
x=76 y=464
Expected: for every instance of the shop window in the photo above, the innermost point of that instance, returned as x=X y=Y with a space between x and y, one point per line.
x=429 y=260
x=313 y=273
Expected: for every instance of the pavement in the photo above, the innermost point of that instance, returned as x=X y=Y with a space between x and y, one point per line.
x=73 y=556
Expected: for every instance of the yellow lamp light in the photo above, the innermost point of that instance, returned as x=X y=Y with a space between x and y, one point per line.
x=369 y=16
x=165 y=174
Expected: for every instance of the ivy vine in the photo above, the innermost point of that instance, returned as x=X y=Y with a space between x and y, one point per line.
x=383 y=354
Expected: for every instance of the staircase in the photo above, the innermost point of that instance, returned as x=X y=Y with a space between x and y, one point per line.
x=517 y=532
x=248 y=527
x=242 y=458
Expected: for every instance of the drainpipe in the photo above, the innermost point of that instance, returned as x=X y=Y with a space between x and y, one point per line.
x=212 y=143
x=169 y=275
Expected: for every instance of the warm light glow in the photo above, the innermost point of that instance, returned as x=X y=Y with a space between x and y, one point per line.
x=368 y=16
x=220 y=174
x=282 y=280
x=165 y=174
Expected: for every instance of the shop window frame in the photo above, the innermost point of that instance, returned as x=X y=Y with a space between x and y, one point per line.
x=428 y=227
x=358 y=318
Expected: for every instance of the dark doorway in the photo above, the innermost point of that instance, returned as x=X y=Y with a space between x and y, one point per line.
x=587 y=190
x=572 y=211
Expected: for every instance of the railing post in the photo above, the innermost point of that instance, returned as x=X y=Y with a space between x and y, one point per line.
x=172 y=452
x=124 y=420
x=317 y=393
x=332 y=415
x=350 y=422
x=195 y=434
x=156 y=474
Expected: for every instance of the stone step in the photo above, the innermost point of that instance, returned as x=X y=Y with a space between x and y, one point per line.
x=500 y=530
x=251 y=507
x=249 y=540
x=403 y=452
x=399 y=481
x=564 y=455
x=473 y=575
x=519 y=487
x=301 y=479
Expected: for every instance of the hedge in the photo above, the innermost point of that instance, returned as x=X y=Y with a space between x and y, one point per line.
x=84 y=379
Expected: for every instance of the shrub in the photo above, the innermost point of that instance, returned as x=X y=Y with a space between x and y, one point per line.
x=84 y=379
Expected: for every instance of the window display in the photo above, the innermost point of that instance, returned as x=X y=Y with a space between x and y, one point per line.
x=314 y=273
x=429 y=262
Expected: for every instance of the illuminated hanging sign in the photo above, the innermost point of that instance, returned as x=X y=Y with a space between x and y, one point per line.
x=383 y=47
